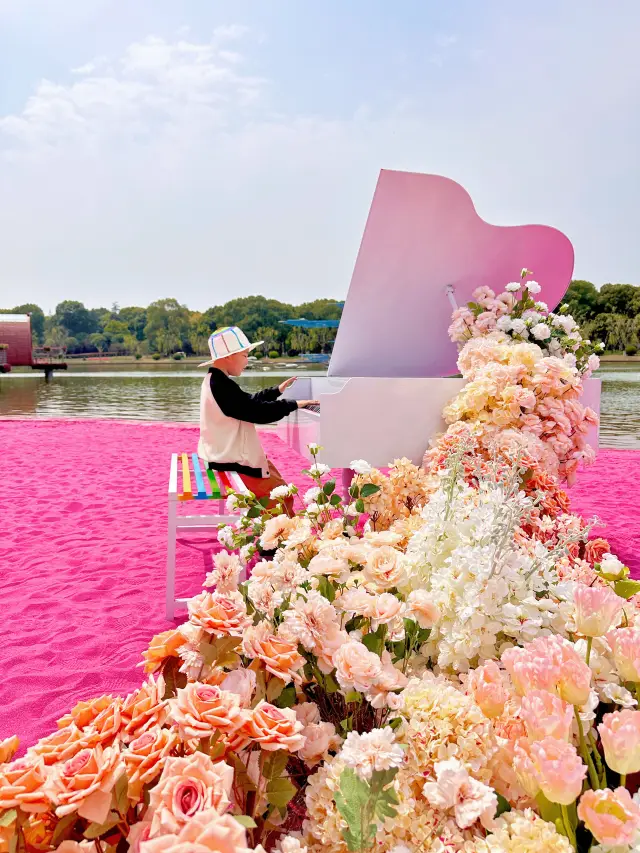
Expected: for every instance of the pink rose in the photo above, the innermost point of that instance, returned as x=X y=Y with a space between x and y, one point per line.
x=187 y=787
x=319 y=739
x=612 y=817
x=274 y=728
x=307 y=713
x=199 y=710
x=207 y=832
x=223 y=615
x=145 y=758
x=620 y=735
x=242 y=682
x=279 y=655
x=386 y=608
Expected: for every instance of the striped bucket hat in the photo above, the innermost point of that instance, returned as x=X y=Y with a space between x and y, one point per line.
x=227 y=341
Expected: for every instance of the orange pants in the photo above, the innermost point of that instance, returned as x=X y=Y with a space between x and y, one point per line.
x=262 y=486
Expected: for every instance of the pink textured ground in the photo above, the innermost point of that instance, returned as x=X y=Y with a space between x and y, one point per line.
x=83 y=506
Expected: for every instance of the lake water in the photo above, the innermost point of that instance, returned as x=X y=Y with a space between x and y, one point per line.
x=170 y=392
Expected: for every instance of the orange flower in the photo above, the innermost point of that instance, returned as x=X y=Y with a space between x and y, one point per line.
x=8 y=748
x=84 y=784
x=275 y=728
x=223 y=615
x=145 y=757
x=199 y=709
x=22 y=785
x=279 y=656
x=38 y=831
x=144 y=709
x=61 y=745
x=189 y=786
x=85 y=713
x=595 y=549
x=106 y=726
x=161 y=647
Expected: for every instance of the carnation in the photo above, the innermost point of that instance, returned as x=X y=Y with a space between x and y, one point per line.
x=374 y=750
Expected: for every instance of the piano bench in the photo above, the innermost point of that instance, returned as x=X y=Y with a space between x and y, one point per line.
x=189 y=480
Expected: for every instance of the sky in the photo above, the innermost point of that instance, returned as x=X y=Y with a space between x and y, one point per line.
x=210 y=149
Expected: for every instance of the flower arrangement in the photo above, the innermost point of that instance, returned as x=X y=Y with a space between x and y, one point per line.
x=441 y=660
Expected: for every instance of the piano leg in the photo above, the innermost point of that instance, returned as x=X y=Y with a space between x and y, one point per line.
x=347 y=477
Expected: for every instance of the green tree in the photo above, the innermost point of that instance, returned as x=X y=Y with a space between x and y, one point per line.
x=618 y=299
x=168 y=327
x=37 y=318
x=582 y=299
x=136 y=320
x=75 y=318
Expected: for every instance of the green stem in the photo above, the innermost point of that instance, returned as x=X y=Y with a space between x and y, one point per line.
x=589 y=644
x=602 y=773
x=585 y=753
x=623 y=780
x=567 y=826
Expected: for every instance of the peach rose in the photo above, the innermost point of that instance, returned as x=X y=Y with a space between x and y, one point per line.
x=386 y=608
x=199 y=709
x=307 y=713
x=223 y=615
x=333 y=529
x=161 y=647
x=188 y=786
x=85 y=782
x=207 y=832
x=144 y=709
x=61 y=745
x=22 y=785
x=8 y=748
x=138 y=833
x=275 y=531
x=106 y=726
x=85 y=713
x=280 y=656
x=242 y=682
x=421 y=608
x=77 y=847
x=319 y=739
x=356 y=667
x=384 y=567
x=275 y=728
x=145 y=757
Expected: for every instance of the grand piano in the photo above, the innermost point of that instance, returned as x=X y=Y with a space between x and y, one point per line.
x=392 y=370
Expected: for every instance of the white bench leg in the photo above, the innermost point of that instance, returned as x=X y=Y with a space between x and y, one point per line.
x=171 y=560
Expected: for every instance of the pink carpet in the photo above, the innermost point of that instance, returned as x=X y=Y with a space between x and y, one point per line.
x=83 y=548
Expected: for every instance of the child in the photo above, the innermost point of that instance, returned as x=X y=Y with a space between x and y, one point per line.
x=228 y=438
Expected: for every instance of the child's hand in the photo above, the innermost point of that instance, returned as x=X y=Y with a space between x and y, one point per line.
x=287 y=384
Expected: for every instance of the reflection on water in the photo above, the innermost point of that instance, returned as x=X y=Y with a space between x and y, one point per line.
x=171 y=393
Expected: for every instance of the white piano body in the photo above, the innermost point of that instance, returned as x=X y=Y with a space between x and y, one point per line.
x=424 y=250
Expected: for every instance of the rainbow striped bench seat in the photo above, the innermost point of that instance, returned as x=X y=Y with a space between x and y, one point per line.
x=190 y=479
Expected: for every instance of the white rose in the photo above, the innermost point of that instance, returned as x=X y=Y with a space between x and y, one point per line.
x=600 y=345
x=359 y=466
x=532 y=317
x=542 y=306
x=504 y=324
x=231 y=504
x=513 y=286
x=225 y=537
x=541 y=332
x=519 y=327
x=319 y=469
x=311 y=495
x=533 y=287
x=313 y=447
x=280 y=492
x=313 y=509
x=593 y=362
x=570 y=359
x=246 y=553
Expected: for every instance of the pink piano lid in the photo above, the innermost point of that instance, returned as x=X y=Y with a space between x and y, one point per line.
x=422 y=234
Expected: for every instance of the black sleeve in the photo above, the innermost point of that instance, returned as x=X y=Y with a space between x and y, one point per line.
x=267 y=395
x=236 y=403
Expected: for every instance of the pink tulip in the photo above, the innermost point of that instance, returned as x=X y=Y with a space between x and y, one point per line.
x=598 y=609
x=620 y=735
x=525 y=768
x=487 y=684
x=552 y=664
x=625 y=643
x=611 y=817
x=546 y=715
x=559 y=770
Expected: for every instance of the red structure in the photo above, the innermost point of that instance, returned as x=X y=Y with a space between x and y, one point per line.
x=16 y=348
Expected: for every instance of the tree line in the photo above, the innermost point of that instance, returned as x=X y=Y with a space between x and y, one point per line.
x=166 y=327
x=610 y=315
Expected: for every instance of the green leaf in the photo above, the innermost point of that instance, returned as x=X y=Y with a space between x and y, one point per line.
x=362 y=804
x=242 y=777
x=120 y=794
x=330 y=684
x=503 y=805
x=254 y=512
x=275 y=687
x=264 y=502
x=280 y=792
x=221 y=652
x=95 y=830
x=353 y=696
x=336 y=500
x=369 y=489
x=626 y=588
x=326 y=589
x=64 y=828
x=287 y=699
x=275 y=764
x=245 y=820
x=359 y=505
x=354 y=491
x=395 y=723
x=374 y=640
x=8 y=817
x=329 y=487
